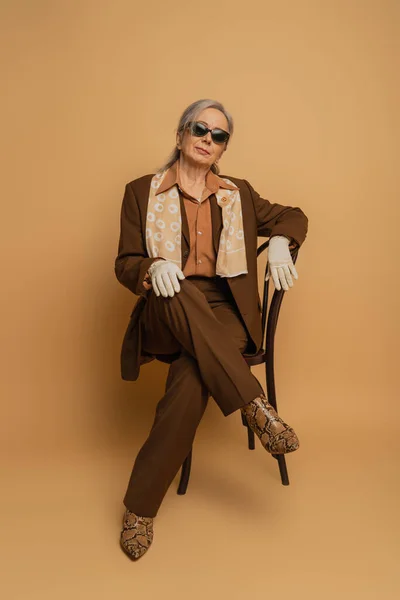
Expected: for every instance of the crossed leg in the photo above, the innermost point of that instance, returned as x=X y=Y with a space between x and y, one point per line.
x=206 y=327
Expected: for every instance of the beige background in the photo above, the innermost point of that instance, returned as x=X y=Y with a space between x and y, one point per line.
x=92 y=95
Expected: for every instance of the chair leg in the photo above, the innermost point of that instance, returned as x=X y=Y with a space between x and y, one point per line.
x=282 y=468
x=280 y=457
x=185 y=473
x=269 y=371
x=250 y=433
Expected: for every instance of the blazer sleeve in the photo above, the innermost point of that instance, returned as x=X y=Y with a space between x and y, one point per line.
x=276 y=219
x=132 y=261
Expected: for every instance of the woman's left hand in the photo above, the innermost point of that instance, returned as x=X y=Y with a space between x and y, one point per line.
x=280 y=264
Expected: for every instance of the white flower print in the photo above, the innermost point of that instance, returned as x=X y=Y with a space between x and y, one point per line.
x=169 y=246
x=175 y=226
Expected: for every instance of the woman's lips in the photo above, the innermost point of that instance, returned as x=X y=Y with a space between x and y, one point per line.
x=201 y=150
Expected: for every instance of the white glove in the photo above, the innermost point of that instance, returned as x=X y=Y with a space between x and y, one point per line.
x=280 y=264
x=164 y=277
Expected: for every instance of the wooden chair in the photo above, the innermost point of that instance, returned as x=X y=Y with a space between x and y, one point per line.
x=266 y=356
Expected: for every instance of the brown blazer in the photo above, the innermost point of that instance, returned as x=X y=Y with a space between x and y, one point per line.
x=260 y=218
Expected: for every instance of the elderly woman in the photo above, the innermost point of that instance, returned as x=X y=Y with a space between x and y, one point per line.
x=188 y=249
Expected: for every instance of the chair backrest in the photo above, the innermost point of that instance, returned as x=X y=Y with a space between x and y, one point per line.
x=269 y=322
x=269 y=318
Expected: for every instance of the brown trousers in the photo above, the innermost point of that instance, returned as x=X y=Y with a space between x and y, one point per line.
x=201 y=322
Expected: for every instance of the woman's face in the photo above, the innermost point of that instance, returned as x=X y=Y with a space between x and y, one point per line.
x=202 y=150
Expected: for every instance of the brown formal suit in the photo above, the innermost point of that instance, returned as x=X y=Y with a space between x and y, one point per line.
x=211 y=323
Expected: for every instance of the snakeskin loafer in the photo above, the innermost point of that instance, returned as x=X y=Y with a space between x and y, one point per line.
x=275 y=435
x=136 y=535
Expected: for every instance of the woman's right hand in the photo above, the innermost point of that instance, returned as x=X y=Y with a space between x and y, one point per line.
x=164 y=277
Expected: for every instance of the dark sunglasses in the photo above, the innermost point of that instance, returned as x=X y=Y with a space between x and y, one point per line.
x=219 y=136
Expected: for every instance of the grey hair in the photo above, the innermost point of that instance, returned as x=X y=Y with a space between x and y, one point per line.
x=190 y=114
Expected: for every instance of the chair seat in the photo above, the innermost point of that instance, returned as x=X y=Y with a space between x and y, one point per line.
x=166 y=358
x=256 y=359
